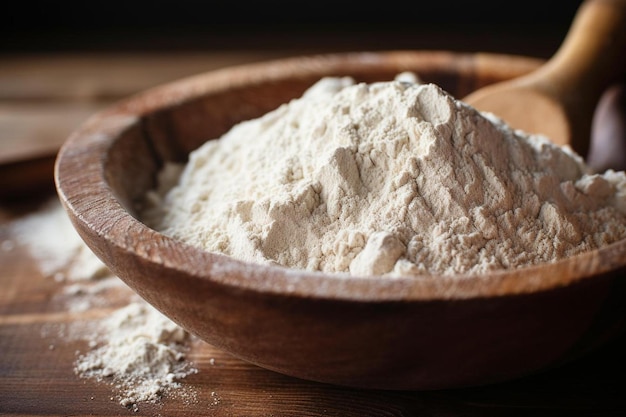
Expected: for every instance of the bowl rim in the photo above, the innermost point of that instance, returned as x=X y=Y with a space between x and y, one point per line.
x=87 y=146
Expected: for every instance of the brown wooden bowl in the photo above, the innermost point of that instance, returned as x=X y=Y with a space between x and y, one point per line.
x=404 y=333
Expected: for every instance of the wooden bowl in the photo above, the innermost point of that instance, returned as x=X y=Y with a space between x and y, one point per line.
x=370 y=332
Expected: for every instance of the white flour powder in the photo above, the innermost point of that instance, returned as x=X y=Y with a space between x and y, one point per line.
x=58 y=249
x=141 y=353
x=390 y=178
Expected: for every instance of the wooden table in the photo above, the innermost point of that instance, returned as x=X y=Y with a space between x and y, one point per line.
x=41 y=100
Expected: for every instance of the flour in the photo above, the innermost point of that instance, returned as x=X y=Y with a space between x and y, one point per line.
x=391 y=178
x=134 y=348
x=141 y=353
x=55 y=245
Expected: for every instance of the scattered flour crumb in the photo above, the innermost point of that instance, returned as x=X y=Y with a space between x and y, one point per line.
x=215 y=398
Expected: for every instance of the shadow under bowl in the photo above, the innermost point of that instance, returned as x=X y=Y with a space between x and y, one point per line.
x=413 y=333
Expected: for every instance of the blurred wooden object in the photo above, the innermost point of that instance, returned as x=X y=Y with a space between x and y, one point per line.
x=559 y=98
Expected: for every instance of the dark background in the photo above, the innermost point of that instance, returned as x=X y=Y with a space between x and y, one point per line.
x=530 y=27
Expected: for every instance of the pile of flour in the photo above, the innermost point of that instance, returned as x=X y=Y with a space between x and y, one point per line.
x=390 y=178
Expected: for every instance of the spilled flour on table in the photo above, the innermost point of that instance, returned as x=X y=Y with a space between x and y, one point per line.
x=133 y=347
x=56 y=246
x=141 y=350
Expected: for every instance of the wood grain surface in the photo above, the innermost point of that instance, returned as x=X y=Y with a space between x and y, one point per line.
x=36 y=360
